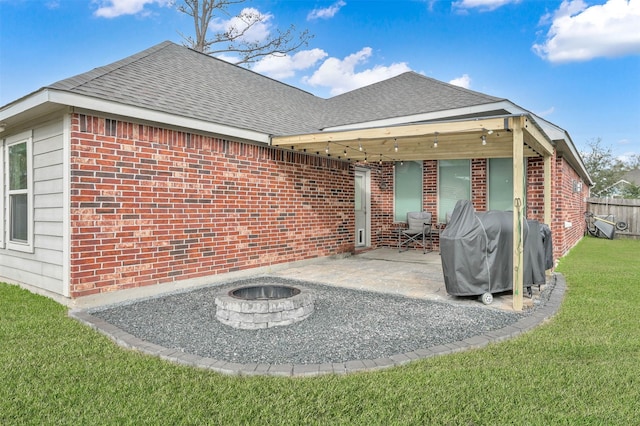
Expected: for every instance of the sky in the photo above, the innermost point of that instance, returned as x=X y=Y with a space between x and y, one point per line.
x=575 y=63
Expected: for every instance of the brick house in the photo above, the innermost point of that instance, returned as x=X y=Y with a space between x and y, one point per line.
x=170 y=166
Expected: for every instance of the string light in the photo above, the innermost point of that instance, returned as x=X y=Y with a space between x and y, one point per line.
x=363 y=157
x=346 y=148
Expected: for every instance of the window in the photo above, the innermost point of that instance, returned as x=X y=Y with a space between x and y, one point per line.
x=454 y=183
x=19 y=192
x=407 y=189
x=500 y=184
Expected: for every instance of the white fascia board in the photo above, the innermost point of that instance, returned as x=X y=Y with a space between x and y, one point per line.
x=24 y=104
x=554 y=132
x=110 y=107
x=430 y=116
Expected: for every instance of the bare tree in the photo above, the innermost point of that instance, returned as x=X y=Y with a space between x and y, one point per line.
x=234 y=39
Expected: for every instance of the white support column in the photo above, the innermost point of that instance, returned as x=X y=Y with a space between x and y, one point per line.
x=518 y=212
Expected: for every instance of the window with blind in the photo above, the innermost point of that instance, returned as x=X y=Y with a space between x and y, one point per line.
x=407 y=189
x=500 y=183
x=454 y=183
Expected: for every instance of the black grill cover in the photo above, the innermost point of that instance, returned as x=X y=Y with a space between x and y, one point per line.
x=477 y=251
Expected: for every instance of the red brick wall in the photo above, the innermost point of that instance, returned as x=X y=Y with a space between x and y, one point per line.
x=535 y=188
x=152 y=205
x=430 y=187
x=381 y=199
x=479 y=184
x=568 y=224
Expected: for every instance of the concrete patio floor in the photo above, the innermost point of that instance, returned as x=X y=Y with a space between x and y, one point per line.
x=410 y=273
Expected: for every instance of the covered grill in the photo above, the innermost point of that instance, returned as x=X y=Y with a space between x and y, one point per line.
x=477 y=252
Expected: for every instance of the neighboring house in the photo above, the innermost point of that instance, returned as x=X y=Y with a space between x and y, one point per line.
x=616 y=190
x=171 y=166
x=632 y=176
x=629 y=181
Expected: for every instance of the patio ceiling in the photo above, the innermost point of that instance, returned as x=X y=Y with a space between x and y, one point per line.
x=456 y=140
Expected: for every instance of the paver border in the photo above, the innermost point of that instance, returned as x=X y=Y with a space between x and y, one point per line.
x=129 y=341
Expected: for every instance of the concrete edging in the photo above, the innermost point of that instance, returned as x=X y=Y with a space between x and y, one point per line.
x=524 y=325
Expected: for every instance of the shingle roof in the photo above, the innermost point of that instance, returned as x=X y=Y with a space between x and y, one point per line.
x=406 y=94
x=177 y=80
x=174 y=79
x=632 y=176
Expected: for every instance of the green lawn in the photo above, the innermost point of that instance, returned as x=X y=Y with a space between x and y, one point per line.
x=582 y=367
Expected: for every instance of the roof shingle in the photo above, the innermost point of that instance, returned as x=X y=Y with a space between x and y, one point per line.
x=177 y=80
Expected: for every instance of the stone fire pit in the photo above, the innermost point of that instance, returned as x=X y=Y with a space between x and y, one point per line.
x=264 y=306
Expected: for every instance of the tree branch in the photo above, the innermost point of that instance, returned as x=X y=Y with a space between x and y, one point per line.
x=233 y=40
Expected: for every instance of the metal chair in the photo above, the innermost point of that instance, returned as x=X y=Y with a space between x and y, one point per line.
x=418 y=232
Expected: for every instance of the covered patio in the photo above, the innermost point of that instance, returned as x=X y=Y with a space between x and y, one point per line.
x=504 y=136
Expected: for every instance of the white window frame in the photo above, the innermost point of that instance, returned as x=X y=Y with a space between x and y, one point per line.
x=18 y=245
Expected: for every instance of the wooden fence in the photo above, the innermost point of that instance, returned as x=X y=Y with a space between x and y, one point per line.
x=626 y=210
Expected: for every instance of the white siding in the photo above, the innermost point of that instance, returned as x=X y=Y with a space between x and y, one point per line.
x=44 y=267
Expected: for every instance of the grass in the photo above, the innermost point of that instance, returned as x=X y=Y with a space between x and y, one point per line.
x=582 y=367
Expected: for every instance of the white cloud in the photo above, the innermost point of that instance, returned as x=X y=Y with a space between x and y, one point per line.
x=463 y=81
x=341 y=76
x=482 y=5
x=115 y=8
x=326 y=13
x=546 y=112
x=566 y=8
x=249 y=16
x=281 y=67
x=233 y=59
x=579 y=32
x=627 y=156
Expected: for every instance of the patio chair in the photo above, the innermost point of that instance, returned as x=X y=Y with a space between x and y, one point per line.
x=417 y=233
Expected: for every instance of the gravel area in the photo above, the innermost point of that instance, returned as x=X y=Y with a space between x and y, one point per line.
x=346 y=325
